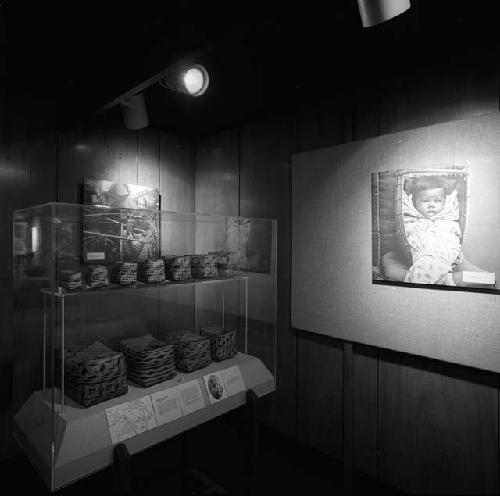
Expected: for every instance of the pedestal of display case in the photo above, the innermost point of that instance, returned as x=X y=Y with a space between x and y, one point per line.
x=82 y=441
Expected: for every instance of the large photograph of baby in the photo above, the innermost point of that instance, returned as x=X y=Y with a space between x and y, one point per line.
x=419 y=224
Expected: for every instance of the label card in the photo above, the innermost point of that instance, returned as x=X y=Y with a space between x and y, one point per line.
x=233 y=380
x=479 y=277
x=190 y=397
x=216 y=388
x=166 y=406
x=131 y=418
x=96 y=255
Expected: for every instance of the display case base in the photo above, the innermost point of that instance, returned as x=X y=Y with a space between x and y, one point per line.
x=81 y=443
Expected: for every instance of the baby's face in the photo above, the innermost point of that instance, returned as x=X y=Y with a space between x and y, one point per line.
x=215 y=387
x=429 y=202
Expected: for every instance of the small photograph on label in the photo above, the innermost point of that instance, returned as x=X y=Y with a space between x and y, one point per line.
x=215 y=387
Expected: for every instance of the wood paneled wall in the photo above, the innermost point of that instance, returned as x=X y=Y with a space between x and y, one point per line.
x=420 y=425
x=28 y=152
x=39 y=165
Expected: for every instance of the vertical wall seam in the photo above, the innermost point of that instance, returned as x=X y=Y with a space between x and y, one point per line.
x=379 y=111
x=58 y=178
x=158 y=317
x=158 y=160
x=377 y=387
x=377 y=403
x=290 y=235
x=195 y=172
x=498 y=435
x=105 y=144
x=137 y=139
x=239 y=129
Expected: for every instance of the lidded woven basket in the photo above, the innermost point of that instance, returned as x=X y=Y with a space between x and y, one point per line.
x=191 y=351
x=149 y=360
x=151 y=271
x=124 y=273
x=178 y=268
x=97 y=276
x=204 y=266
x=94 y=373
x=222 y=342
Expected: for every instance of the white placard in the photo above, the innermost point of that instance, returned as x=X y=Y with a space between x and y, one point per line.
x=131 y=418
x=216 y=388
x=479 y=277
x=166 y=406
x=96 y=255
x=233 y=380
x=190 y=397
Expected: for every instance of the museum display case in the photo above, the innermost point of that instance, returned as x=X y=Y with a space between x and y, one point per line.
x=133 y=325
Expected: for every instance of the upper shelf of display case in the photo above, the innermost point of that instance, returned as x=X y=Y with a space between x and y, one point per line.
x=62 y=292
x=88 y=247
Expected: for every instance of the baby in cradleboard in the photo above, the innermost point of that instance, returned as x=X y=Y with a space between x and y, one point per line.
x=215 y=387
x=431 y=221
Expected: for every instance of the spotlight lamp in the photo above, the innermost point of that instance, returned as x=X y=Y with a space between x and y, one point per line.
x=182 y=76
x=191 y=80
x=377 y=11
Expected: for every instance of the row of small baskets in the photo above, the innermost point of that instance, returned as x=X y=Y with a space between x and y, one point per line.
x=175 y=268
x=95 y=373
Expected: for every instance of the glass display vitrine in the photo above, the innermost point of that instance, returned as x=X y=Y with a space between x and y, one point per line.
x=89 y=278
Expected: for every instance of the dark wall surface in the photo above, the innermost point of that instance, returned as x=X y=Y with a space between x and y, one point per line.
x=38 y=164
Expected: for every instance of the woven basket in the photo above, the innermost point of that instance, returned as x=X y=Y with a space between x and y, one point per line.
x=70 y=279
x=151 y=271
x=222 y=343
x=227 y=262
x=124 y=273
x=178 y=268
x=191 y=351
x=97 y=276
x=91 y=394
x=204 y=266
x=149 y=360
x=94 y=373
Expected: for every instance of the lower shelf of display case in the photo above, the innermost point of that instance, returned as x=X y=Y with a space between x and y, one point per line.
x=82 y=443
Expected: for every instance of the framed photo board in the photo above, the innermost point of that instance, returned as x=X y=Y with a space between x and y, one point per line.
x=366 y=264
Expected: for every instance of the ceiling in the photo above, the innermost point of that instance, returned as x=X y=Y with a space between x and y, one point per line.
x=261 y=56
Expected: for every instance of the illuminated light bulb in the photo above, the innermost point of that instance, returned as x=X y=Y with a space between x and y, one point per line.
x=194 y=80
x=191 y=80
